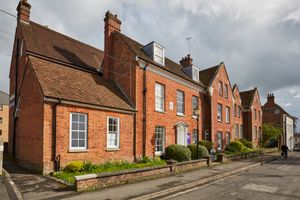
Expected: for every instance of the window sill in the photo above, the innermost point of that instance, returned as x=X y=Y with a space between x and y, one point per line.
x=220 y=121
x=112 y=149
x=160 y=111
x=180 y=114
x=78 y=151
x=195 y=117
x=159 y=153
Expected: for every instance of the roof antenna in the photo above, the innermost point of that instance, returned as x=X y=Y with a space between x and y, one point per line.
x=188 y=40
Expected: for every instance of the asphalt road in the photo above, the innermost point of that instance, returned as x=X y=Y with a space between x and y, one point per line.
x=277 y=180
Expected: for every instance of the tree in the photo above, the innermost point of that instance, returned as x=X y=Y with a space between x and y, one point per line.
x=270 y=134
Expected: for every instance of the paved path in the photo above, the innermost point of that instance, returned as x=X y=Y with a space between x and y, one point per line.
x=3 y=191
x=141 y=188
x=35 y=186
x=278 y=180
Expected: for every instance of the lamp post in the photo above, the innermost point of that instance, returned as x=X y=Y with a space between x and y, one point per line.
x=197 y=113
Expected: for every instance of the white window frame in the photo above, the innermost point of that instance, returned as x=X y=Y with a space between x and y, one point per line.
x=197 y=105
x=195 y=72
x=71 y=130
x=182 y=103
x=220 y=88
x=108 y=132
x=219 y=115
x=161 y=96
x=158 y=153
x=156 y=57
x=226 y=91
x=227 y=114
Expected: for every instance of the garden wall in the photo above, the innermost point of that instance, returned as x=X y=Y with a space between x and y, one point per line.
x=96 y=181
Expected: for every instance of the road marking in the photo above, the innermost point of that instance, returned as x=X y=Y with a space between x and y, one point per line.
x=199 y=187
x=260 y=188
x=282 y=166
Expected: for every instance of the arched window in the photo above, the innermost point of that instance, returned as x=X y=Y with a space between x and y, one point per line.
x=181 y=129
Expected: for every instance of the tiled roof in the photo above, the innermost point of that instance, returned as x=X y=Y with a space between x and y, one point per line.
x=46 y=42
x=170 y=65
x=68 y=83
x=247 y=97
x=4 y=98
x=207 y=75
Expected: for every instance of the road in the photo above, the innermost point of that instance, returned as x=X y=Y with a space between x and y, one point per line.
x=278 y=180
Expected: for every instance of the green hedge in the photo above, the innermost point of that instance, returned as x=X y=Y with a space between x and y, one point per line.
x=246 y=143
x=178 y=152
x=74 y=166
x=237 y=147
x=209 y=145
x=202 y=151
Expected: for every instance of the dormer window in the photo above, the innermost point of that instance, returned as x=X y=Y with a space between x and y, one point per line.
x=158 y=54
x=155 y=52
x=195 y=74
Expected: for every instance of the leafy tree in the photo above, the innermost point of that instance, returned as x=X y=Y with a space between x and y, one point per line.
x=270 y=133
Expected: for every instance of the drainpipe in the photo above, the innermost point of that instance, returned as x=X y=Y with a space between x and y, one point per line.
x=144 y=108
x=15 y=103
x=55 y=158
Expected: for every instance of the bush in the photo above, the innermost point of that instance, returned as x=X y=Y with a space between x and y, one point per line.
x=202 y=151
x=235 y=146
x=209 y=145
x=73 y=167
x=178 y=152
x=247 y=143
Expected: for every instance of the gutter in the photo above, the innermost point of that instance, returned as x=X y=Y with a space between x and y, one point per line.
x=144 y=108
x=16 y=90
x=55 y=158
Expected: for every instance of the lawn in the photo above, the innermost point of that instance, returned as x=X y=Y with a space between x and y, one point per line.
x=68 y=173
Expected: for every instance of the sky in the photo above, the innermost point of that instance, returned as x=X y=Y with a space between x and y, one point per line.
x=259 y=41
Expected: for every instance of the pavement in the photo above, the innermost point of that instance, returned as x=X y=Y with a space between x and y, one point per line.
x=278 y=180
x=35 y=186
x=3 y=191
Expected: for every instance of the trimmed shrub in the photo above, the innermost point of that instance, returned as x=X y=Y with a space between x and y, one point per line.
x=235 y=146
x=246 y=143
x=202 y=151
x=209 y=145
x=74 y=166
x=178 y=152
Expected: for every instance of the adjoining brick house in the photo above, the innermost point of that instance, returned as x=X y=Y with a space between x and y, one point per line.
x=220 y=104
x=238 y=128
x=252 y=115
x=4 y=102
x=276 y=115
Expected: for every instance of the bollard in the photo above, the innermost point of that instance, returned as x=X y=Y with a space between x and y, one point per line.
x=1 y=156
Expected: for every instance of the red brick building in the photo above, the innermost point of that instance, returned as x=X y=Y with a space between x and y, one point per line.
x=238 y=128
x=276 y=115
x=220 y=103
x=252 y=115
x=71 y=101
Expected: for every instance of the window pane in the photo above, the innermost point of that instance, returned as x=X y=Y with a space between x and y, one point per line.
x=82 y=118
x=74 y=143
x=74 y=117
x=74 y=135
x=81 y=143
x=81 y=126
x=81 y=135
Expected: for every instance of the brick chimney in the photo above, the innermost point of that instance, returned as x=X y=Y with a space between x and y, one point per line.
x=186 y=61
x=271 y=99
x=23 y=11
x=112 y=24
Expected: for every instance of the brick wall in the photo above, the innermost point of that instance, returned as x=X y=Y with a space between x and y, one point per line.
x=97 y=136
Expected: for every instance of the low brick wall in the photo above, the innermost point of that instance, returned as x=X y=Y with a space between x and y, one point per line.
x=96 y=181
x=225 y=158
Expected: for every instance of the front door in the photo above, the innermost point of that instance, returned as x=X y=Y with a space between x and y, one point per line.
x=182 y=135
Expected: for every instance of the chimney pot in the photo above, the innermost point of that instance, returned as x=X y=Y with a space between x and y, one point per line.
x=187 y=61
